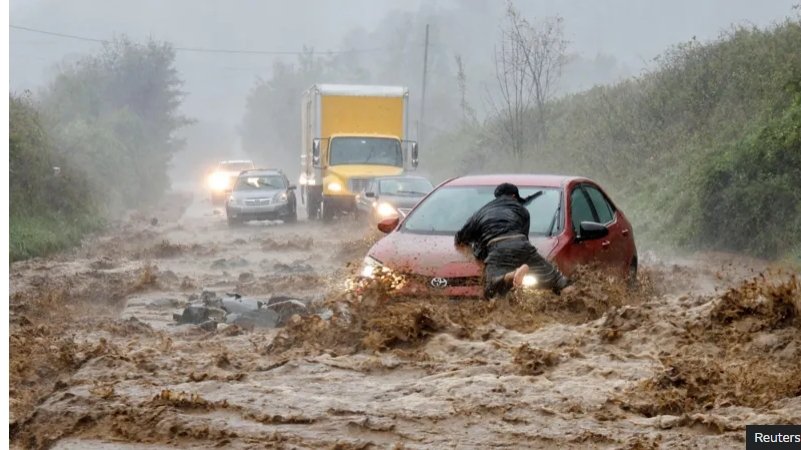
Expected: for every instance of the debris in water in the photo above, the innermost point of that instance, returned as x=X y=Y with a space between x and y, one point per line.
x=534 y=361
x=238 y=310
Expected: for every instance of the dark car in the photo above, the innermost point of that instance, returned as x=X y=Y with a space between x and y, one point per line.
x=395 y=196
x=261 y=194
x=574 y=222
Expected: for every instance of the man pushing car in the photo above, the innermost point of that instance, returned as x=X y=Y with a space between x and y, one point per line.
x=498 y=235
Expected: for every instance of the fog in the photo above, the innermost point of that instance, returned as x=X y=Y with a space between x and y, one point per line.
x=608 y=41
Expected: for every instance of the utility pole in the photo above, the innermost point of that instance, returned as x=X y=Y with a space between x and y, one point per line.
x=422 y=124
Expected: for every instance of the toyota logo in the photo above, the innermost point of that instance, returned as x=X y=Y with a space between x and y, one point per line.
x=439 y=283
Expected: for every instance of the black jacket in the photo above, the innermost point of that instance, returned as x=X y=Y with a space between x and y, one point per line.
x=502 y=216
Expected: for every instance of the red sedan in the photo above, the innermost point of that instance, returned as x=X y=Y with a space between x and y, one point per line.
x=574 y=222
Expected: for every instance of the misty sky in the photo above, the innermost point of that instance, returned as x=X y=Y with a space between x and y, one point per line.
x=631 y=31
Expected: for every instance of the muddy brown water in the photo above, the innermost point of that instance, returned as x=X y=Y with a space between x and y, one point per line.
x=706 y=345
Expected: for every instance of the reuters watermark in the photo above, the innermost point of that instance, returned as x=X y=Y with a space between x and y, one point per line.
x=773 y=437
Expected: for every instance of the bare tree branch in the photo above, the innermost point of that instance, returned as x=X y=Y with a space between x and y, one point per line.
x=528 y=63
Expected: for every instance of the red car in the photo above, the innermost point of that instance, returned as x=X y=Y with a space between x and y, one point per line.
x=574 y=222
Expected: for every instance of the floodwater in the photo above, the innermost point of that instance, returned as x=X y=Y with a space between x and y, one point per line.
x=704 y=346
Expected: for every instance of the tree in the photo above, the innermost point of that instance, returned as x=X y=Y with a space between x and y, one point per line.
x=528 y=62
x=271 y=126
x=115 y=115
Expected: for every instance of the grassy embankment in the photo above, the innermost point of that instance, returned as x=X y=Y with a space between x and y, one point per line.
x=703 y=152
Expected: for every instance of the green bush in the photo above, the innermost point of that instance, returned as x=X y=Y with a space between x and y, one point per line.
x=48 y=210
x=108 y=122
x=750 y=194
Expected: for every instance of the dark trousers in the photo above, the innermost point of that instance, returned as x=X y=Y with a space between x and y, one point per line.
x=506 y=256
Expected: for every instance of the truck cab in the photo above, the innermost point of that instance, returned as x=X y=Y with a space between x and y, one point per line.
x=351 y=134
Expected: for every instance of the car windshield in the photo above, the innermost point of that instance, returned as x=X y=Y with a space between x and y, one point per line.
x=235 y=166
x=256 y=182
x=380 y=151
x=404 y=186
x=447 y=209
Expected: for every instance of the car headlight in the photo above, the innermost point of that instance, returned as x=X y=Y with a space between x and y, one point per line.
x=233 y=200
x=218 y=181
x=334 y=186
x=529 y=281
x=385 y=210
x=369 y=267
x=280 y=197
x=373 y=271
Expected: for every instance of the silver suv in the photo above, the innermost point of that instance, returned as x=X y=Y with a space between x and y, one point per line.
x=261 y=194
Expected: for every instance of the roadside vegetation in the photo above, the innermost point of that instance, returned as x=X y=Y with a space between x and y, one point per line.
x=704 y=151
x=50 y=208
x=107 y=124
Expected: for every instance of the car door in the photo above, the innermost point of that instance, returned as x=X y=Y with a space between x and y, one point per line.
x=290 y=193
x=619 y=238
x=580 y=252
x=612 y=245
x=364 y=203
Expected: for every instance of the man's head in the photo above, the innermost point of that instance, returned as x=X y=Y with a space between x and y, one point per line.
x=507 y=189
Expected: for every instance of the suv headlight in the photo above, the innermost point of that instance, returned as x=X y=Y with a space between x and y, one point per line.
x=233 y=200
x=280 y=197
x=335 y=186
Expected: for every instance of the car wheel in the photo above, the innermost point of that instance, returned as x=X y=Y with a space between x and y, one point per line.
x=328 y=212
x=312 y=206
x=292 y=217
x=234 y=221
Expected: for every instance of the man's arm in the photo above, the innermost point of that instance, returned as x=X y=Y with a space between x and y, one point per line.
x=469 y=231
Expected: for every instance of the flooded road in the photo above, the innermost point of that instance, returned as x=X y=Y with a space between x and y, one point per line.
x=701 y=348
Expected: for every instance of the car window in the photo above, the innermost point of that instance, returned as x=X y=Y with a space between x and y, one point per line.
x=405 y=186
x=256 y=182
x=388 y=187
x=447 y=209
x=543 y=211
x=602 y=207
x=381 y=151
x=580 y=209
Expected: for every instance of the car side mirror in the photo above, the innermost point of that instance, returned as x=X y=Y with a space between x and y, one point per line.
x=316 y=152
x=292 y=187
x=591 y=230
x=388 y=225
x=369 y=194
